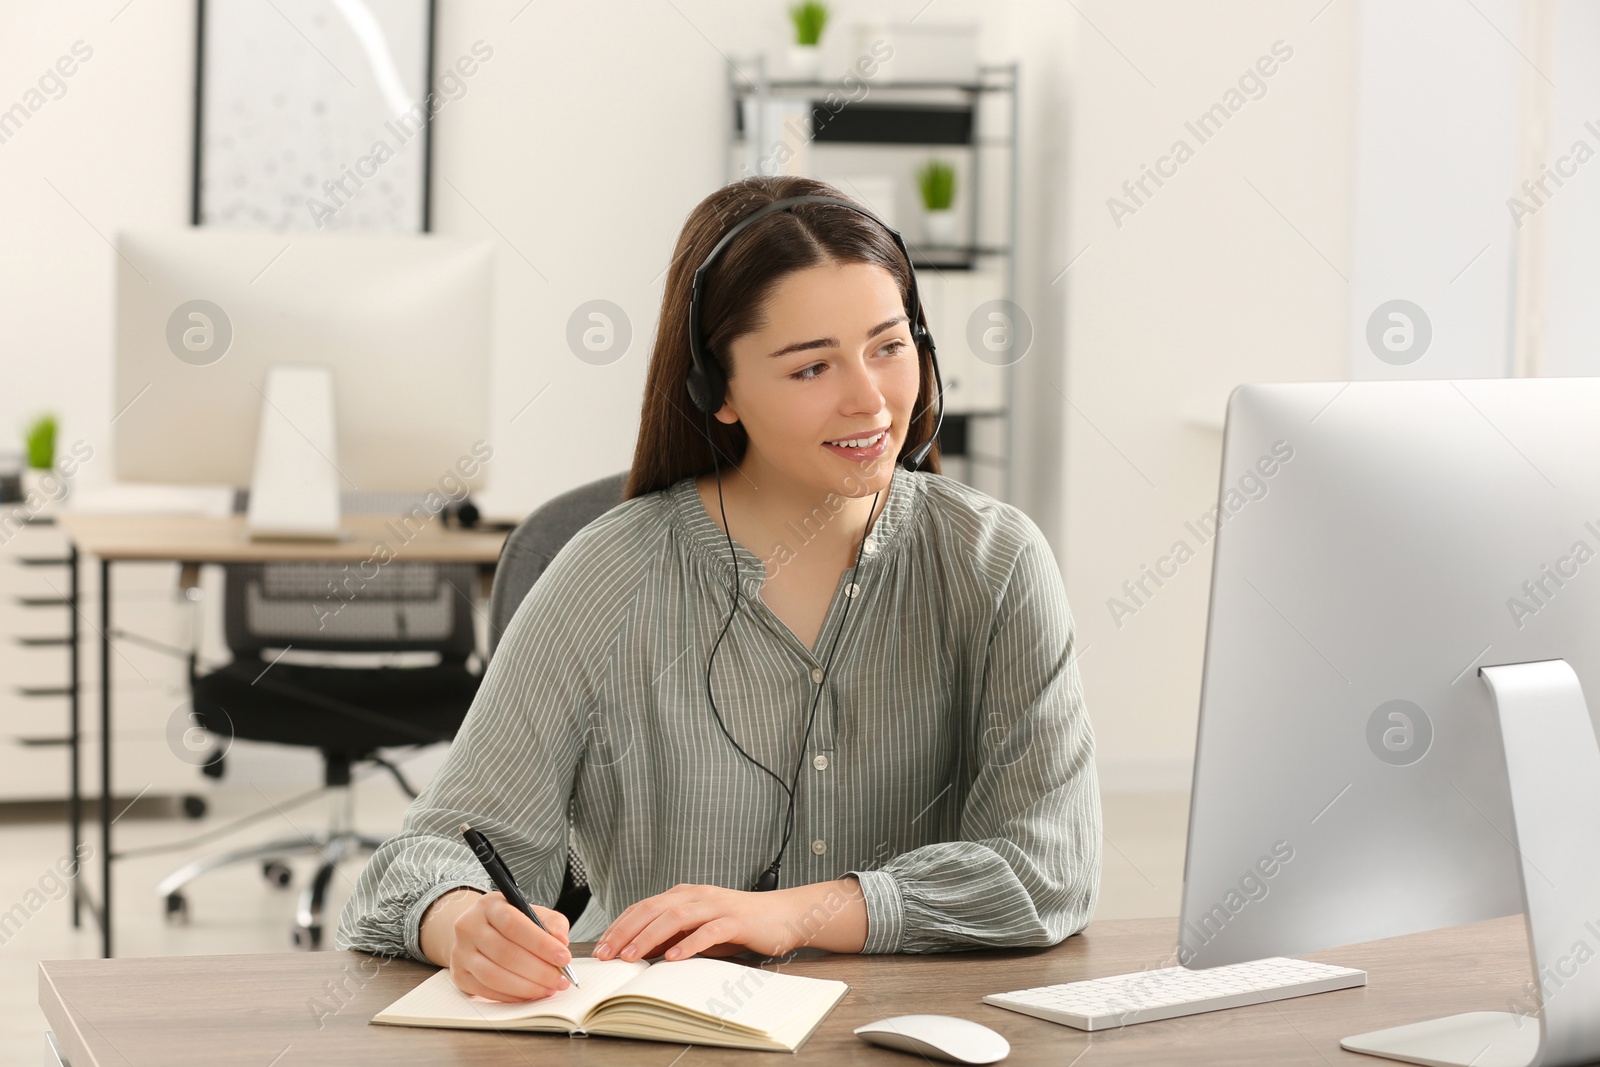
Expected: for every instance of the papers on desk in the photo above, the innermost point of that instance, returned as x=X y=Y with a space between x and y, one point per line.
x=151 y=500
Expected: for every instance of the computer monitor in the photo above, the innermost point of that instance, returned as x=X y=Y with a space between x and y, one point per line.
x=389 y=331
x=1377 y=544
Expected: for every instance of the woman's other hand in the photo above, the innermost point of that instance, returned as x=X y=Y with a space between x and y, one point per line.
x=709 y=920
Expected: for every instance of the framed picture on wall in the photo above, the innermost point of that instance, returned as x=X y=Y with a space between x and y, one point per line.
x=313 y=114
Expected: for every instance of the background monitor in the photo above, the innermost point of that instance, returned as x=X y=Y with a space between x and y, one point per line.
x=401 y=320
x=1379 y=542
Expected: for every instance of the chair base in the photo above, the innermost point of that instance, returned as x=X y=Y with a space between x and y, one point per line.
x=333 y=846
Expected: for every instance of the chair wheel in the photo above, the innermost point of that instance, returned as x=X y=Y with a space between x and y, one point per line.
x=194 y=807
x=177 y=908
x=307 y=937
x=278 y=873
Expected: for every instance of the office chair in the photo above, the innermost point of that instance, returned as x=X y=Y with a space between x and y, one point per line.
x=346 y=712
x=527 y=551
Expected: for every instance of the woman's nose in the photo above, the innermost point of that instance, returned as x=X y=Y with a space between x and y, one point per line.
x=861 y=390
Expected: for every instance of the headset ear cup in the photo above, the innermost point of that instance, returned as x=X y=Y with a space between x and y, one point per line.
x=697 y=390
x=716 y=389
x=705 y=390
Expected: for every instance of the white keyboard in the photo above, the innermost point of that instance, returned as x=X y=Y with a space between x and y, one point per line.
x=1103 y=1003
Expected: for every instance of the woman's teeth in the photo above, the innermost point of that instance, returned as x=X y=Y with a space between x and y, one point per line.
x=860 y=442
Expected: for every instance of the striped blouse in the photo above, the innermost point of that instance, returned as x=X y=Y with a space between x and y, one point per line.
x=950 y=766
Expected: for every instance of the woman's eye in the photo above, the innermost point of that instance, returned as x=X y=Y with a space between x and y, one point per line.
x=805 y=374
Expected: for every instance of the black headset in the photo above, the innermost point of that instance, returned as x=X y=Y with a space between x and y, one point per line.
x=707 y=389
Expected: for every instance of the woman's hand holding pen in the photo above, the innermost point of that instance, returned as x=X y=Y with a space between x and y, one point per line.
x=708 y=920
x=492 y=949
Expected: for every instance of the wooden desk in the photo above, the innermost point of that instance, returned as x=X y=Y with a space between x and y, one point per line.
x=216 y=1010
x=194 y=539
x=212 y=539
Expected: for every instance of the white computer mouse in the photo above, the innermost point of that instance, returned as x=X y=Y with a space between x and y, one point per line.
x=943 y=1037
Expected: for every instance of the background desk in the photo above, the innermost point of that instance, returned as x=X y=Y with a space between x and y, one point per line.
x=199 y=539
x=214 y=1010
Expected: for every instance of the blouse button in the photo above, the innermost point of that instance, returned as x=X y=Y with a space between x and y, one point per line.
x=819 y=761
x=853 y=590
x=816 y=675
x=869 y=546
x=819 y=846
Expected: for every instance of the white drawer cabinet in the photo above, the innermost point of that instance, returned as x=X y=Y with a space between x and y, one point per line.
x=149 y=685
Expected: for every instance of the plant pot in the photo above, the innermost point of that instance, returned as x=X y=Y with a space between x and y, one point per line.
x=33 y=482
x=805 y=60
x=941 y=226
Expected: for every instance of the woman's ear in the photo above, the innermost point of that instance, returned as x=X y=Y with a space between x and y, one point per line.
x=725 y=414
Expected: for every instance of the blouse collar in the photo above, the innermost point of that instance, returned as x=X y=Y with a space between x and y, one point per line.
x=889 y=530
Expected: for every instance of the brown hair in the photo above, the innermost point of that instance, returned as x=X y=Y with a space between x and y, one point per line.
x=673 y=442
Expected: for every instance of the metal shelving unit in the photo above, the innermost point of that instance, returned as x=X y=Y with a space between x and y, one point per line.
x=948 y=115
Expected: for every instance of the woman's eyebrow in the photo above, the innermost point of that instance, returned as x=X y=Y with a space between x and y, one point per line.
x=832 y=342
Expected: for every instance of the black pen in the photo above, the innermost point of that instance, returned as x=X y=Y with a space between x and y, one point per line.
x=505 y=883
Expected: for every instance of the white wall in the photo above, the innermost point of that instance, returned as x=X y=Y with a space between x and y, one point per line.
x=1236 y=269
x=1438 y=126
x=1570 y=216
x=111 y=151
x=1042 y=36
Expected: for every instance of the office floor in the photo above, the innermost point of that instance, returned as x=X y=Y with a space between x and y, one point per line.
x=236 y=911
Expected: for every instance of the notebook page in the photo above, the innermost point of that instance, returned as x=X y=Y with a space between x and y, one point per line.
x=771 y=1002
x=437 y=998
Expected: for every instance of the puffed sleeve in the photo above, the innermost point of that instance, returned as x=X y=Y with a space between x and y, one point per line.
x=509 y=773
x=1027 y=868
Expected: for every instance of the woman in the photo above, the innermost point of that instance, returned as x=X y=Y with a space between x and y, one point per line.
x=935 y=778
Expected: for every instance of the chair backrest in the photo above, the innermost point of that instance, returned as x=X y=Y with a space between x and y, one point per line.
x=329 y=607
x=369 y=606
x=530 y=547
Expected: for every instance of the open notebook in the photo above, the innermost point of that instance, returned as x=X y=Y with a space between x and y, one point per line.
x=697 y=1001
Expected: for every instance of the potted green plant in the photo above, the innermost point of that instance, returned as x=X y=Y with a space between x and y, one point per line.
x=39 y=440
x=809 y=18
x=936 y=180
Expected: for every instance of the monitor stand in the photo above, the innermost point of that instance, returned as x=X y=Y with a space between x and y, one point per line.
x=1553 y=767
x=294 y=489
